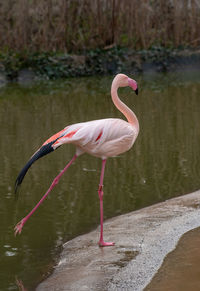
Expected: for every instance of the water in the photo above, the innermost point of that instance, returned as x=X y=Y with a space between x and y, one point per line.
x=163 y=163
x=180 y=269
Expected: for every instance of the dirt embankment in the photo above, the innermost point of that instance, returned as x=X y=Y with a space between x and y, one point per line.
x=26 y=68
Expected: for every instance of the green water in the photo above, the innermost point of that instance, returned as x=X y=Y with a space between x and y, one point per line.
x=163 y=163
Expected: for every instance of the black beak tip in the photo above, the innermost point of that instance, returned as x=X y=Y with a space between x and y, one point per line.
x=136 y=91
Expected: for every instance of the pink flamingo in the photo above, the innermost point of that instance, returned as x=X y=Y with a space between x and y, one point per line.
x=101 y=138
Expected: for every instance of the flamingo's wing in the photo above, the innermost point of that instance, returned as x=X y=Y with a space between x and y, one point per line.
x=51 y=144
x=92 y=132
x=102 y=138
x=45 y=149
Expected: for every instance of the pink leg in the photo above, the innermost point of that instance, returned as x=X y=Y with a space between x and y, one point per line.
x=100 y=192
x=19 y=226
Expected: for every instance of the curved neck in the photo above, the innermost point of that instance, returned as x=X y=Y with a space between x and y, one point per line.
x=128 y=113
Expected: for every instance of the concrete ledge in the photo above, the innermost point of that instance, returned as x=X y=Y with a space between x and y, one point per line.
x=143 y=238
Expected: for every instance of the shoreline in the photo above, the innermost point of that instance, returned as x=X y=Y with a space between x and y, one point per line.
x=27 y=67
x=143 y=239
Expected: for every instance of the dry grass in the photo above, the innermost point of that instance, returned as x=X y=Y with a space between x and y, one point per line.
x=76 y=25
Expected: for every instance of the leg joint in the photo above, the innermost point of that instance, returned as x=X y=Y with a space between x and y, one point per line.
x=100 y=188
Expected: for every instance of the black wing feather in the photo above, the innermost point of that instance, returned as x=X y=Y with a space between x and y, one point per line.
x=44 y=150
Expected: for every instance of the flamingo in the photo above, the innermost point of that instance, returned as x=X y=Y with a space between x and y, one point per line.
x=101 y=138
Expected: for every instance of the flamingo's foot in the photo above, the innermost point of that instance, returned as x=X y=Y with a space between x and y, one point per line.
x=19 y=226
x=106 y=244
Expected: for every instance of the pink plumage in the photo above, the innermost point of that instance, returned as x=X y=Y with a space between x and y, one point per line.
x=101 y=138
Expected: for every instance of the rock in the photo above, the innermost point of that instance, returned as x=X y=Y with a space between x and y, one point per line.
x=3 y=79
x=26 y=76
x=143 y=238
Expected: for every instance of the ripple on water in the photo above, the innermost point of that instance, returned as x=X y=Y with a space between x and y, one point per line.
x=10 y=252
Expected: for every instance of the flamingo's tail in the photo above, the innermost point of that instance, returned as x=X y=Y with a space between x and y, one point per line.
x=44 y=150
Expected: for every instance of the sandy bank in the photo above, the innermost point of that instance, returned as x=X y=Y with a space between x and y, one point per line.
x=143 y=238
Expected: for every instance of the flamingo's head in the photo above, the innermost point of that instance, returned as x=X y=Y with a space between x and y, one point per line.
x=133 y=84
x=125 y=81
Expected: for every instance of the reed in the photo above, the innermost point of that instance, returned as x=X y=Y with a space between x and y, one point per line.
x=78 y=25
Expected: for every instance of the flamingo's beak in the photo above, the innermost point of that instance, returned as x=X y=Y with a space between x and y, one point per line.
x=133 y=84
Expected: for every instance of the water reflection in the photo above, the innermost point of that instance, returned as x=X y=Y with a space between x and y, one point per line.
x=20 y=285
x=163 y=163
